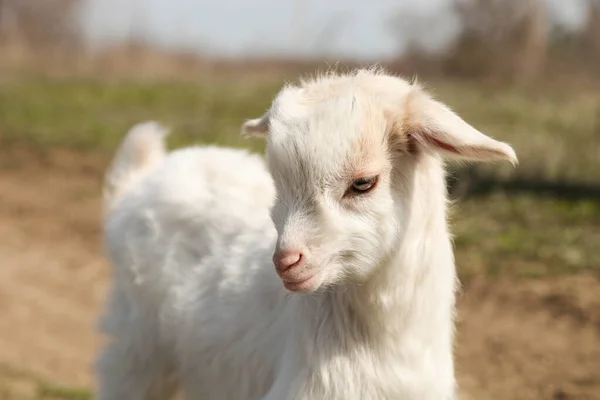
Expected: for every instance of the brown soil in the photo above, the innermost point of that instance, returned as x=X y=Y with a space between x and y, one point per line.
x=517 y=339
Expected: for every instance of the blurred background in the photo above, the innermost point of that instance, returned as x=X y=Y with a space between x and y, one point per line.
x=75 y=75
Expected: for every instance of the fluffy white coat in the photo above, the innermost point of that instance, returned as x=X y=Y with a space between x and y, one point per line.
x=196 y=302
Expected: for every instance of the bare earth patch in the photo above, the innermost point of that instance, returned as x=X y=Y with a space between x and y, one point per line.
x=517 y=338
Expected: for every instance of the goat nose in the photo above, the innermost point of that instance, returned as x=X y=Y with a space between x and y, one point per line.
x=286 y=259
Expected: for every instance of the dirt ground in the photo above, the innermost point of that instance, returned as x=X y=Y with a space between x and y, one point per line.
x=517 y=339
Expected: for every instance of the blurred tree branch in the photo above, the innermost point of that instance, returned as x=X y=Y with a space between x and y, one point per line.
x=516 y=40
x=40 y=24
x=505 y=37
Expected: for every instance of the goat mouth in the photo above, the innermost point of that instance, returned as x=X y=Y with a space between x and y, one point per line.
x=305 y=285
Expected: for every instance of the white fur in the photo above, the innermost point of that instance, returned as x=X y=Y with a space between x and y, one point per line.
x=196 y=302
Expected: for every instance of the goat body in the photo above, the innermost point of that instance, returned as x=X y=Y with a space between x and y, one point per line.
x=353 y=190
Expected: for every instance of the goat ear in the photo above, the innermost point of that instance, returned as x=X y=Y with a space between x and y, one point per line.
x=256 y=127
x=435 y=126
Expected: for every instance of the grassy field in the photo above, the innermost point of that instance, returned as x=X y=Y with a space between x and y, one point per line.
x=555 y=131
x=21 y=385
x=519 y=236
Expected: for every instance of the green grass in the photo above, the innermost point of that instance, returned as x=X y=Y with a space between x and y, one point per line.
x=526 y=236
x=95 y=115
x=20 y=385
x=555 y=131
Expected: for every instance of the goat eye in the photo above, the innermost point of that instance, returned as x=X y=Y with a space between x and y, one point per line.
x=363 y=185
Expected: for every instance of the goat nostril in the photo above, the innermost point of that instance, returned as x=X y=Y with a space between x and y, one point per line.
x=287 y=259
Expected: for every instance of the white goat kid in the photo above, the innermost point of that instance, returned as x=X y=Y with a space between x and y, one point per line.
x=358 y=201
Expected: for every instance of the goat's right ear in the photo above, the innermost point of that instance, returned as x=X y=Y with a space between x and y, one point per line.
x=256 y=127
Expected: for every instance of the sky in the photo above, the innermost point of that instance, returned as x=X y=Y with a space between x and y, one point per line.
x=233 y=28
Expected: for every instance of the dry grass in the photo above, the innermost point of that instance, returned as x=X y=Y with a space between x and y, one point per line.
x=21 y=385
x=555 y=130
x=529 y=310
x=529 y=263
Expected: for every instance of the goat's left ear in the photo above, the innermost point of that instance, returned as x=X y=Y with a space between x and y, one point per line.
x=435 y=126
x=256 y=127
